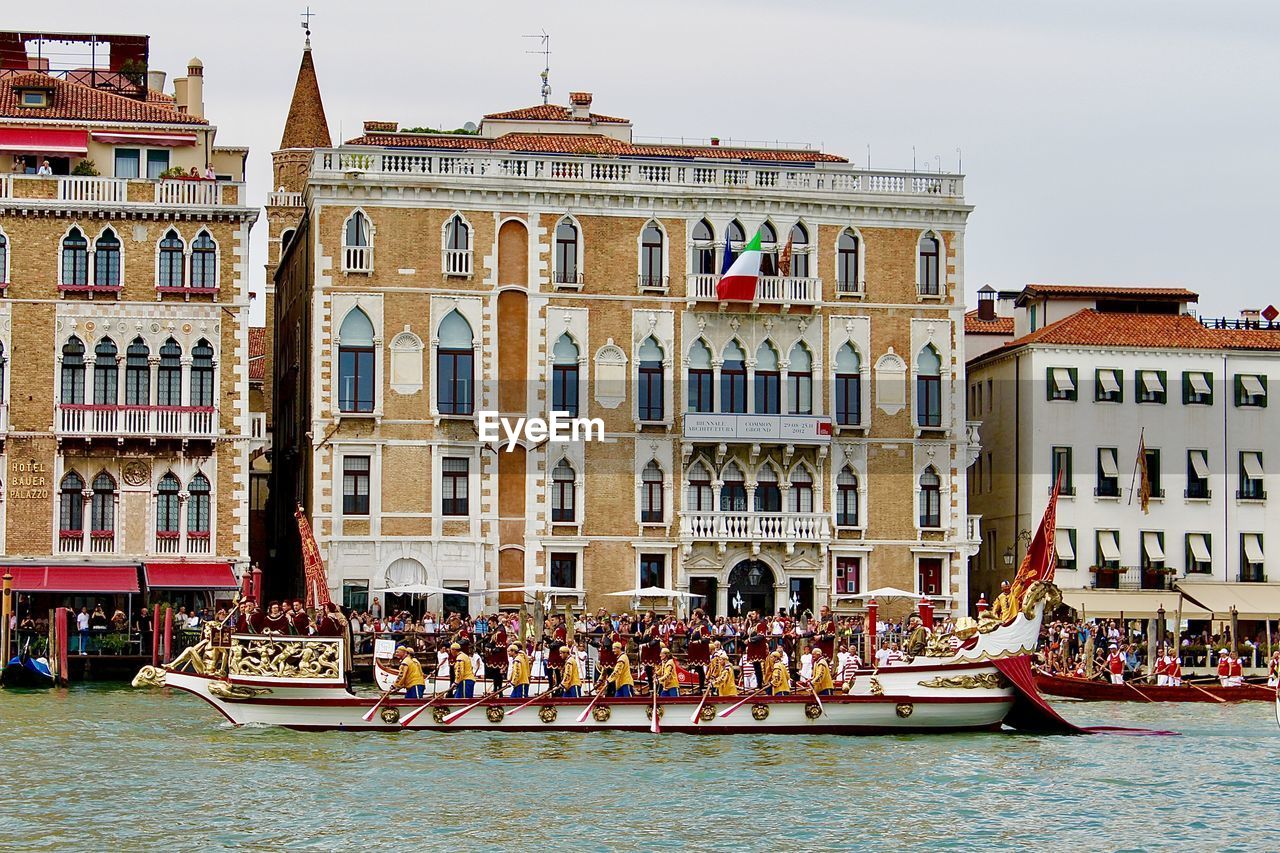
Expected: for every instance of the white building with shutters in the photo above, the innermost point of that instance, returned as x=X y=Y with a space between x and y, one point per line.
x=1128 y=373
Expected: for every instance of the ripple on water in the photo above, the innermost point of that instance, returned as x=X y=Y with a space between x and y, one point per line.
x=109 y=766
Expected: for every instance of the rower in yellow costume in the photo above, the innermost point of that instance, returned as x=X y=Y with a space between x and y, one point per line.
x=668 y=676
x=1002 y=608
x=464 y=677
x=822 y=682
x=779 y=679
x=519 y=669
x=620 y=675
x=571 y=680
x=410 y=675
x=720 y=673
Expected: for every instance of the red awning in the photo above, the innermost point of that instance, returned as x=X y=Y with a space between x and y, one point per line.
x=102 y=579
x=124 y=138
x=26 y=140
x=190 y=576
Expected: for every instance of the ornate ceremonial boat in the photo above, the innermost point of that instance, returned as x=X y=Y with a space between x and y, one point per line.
x=977 y=678
x=1105 y=691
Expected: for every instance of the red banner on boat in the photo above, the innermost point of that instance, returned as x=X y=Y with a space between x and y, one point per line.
x=312 y=565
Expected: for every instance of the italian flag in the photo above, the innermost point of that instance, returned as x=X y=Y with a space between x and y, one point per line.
x=739 y=281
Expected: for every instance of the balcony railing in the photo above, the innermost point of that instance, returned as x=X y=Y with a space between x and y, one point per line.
x=168 y=542
x=973 y=528
x=60 y=190
x=457 y=262
x=755 y=526
x=1251 y=493
x=140 y=421
x=1132 y=577
x=770 y=290
x=357 y=259
x=652 y=282
x=284 y=199
x=4 y=418
x=826 y=179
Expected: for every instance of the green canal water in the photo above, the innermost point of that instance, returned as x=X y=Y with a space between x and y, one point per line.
x=105 y=767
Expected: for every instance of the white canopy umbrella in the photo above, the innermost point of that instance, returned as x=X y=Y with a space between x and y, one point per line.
x=537 y=589
x=655 y=592
x=420 y=589
x=888 y=593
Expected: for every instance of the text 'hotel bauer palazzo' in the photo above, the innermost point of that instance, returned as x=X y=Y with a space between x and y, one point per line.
x=797 y=451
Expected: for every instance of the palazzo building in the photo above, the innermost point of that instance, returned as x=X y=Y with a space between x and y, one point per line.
x=124 y=418
x=791 y=452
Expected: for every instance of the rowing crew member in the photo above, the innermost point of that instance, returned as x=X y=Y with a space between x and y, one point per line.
x=822 y=682
x=720 y=672
x=519 y=672
x=620 y=675
x=1273 y=669
x=571 y=679
x=668 y=677
x=1002 y=607
x=410 y=675
x=1224 y=667
x=464 y=676
x=779 y=678
x=1115 y=664
x=1235 y=670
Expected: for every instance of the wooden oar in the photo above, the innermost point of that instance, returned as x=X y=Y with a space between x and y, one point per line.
x=1215 y=698
x=1139 y=692
x=413 y=715
x=697 y=712
x=653 y=721
x=456 y=715
x=583 y=716
x=527 y=703
x=745 y=699
x=368 y=715
x=817 y=698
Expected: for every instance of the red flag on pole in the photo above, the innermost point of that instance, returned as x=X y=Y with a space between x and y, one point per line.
x=1144 y=476
x=312 y=565
x=1041 y=558
x=784 y=262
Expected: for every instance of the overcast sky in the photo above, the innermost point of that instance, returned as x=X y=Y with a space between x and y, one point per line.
x=1104 y=142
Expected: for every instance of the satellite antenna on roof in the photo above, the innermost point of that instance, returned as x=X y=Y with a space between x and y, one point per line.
x=545 y=50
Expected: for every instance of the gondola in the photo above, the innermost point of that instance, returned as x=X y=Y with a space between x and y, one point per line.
x=26 y=671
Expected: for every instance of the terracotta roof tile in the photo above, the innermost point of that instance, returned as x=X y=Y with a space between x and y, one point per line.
x=586 y=143
x=1144 y=331
x=975 y=326
x=73 y=100
x=257 y=353
x=1110 y=292
x=550 y=112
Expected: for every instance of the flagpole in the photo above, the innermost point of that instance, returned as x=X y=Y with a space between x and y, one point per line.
x=1141 y=442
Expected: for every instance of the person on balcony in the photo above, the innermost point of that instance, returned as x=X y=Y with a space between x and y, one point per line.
x=45 y=169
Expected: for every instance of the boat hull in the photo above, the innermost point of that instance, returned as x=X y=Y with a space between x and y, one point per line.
x=1104 y=691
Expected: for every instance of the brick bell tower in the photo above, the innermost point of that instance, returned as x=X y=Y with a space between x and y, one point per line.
x=305 y=129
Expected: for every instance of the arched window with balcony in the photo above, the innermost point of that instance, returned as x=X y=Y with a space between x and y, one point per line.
x=848 y=247
x=767 y=381
x=564 y=376
x=799 y=251
x=735 y=233
x=651 y=509
x=768 y=249
x=4 y=259
x=701 y=378
x=75 y=259
x=698 y=495
x=457 y=246
x=566 y=253
x=801 y=496
x=733 y=489
x=72 y=385
x=356 y=371
x=106 y=373
x=848 y=386
x=169 y=375
x=733 y=379
x=800 y=381
x=651 y=397
x=71 y=504
x=930 y=498
x=167 y=503
x=171 y=270
x=704 y=248
x=202 y=374
x=652 y=247
x=930 y=283
x=768 y=493
x=357 y=243
x=846 y=498
x=455 y=365
x=106 y=259
x=204 y=262
x=563 y=509
x=928 y=388
x=198 y=505
x=102 y=507
x=137 y=374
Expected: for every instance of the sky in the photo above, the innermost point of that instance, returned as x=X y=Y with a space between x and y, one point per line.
x=1103 y=142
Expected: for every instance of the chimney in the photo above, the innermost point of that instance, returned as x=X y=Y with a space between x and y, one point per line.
x=987 y=303
x=155 y=80
x=380 y=126
x=195 y=88
x=580 y=102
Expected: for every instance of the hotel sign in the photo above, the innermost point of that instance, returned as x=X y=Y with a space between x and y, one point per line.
x=775 y=429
